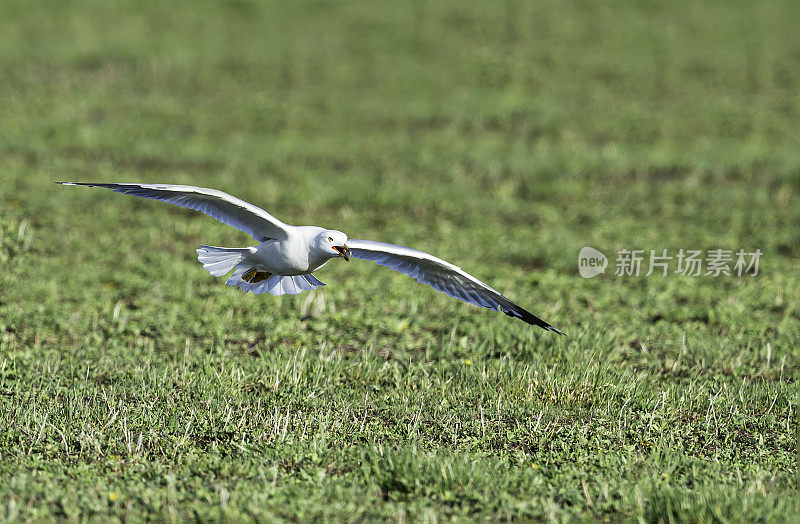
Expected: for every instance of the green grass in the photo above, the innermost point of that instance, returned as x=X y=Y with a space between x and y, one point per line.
x=502 y=136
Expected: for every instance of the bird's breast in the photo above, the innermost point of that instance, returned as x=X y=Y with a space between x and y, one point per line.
x=284 y=258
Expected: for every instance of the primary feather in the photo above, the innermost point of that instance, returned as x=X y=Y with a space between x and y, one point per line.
x=442 y=276
x=217 y=204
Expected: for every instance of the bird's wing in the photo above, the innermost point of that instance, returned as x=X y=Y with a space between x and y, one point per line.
x=217 y=204
x=442 y=276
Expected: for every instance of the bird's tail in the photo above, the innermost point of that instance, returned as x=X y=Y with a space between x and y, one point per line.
x=273 y=284
x=220 y=260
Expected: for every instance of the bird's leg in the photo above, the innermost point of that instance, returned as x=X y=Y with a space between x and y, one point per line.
x=253 y=276
x=260 y=275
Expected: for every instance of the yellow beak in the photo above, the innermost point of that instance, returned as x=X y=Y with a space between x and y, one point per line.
x=344 y=252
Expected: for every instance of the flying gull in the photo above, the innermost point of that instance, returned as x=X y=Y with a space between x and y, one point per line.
x=286 y=256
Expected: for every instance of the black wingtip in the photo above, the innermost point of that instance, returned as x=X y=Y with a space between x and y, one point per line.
x=529 y=318
x=547 y=327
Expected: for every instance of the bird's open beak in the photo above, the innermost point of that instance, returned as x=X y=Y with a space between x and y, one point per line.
x=344 y=252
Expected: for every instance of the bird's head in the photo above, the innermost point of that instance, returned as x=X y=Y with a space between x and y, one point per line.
x=333 y=244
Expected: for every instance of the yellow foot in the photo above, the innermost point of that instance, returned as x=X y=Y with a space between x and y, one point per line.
x=253 y=275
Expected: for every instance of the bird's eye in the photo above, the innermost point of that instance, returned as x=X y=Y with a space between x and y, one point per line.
x=330 y=239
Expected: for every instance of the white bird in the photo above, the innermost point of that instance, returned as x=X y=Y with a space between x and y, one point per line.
x=287 y=255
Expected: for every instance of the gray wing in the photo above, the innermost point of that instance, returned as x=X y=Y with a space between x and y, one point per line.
x=217 y=204
x=442 y=276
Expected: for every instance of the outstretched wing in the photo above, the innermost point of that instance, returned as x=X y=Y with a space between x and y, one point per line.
x=442 y=276
x=217 y=204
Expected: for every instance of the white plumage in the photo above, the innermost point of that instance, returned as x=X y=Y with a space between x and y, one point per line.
x=287 y=255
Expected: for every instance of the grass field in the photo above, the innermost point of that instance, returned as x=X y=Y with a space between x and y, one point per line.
x=502 y=136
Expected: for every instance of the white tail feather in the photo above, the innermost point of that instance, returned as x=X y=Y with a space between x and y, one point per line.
x=220 y=260
x=276 y=284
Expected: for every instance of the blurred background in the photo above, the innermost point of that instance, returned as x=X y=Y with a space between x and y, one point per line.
x=502 y=136
x=515 y=131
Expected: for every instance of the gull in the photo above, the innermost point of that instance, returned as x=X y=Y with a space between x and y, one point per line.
x=287 y=255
